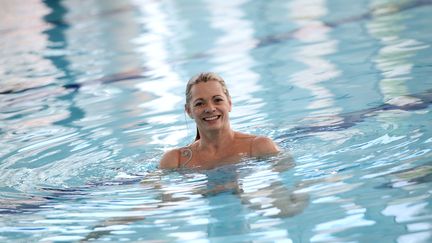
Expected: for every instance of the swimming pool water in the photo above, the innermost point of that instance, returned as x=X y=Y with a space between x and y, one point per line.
x=92 y=93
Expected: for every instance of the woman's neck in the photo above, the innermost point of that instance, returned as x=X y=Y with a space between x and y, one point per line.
x=215 y=141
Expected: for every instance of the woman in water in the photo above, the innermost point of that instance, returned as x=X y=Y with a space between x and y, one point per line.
x=208 y=102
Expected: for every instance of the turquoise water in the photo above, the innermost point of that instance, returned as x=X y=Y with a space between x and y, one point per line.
x=92 y=93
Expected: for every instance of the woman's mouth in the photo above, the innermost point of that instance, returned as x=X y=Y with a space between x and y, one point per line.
x=211 y=118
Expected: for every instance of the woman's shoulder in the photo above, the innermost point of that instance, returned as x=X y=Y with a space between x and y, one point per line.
x=259 y=145
x=176 y=158
x=262 y=146
x=170 y=159
x=240 y=135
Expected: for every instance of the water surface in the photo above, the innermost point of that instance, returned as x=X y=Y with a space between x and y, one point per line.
x=92 y=94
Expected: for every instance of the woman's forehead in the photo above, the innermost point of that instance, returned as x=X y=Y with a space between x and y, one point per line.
x=209 y=88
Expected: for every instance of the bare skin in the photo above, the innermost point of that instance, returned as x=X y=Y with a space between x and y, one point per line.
x=218 y=144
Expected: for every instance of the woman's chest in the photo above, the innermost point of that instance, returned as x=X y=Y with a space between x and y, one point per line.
x=209 y=161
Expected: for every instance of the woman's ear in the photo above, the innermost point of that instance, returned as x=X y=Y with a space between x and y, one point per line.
x=230 y=105
x=188 y=111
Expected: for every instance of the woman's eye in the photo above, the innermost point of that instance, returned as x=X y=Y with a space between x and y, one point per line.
x=218 y=99
x=198 y=104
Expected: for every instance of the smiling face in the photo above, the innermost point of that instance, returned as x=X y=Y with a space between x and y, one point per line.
x=209 y=106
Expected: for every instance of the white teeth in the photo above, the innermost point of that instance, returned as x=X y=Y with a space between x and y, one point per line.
x=211 y=118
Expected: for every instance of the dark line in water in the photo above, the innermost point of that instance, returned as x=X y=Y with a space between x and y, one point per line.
x=114 y=78
x=289 y=35
x=370 y=14
x=58 y=194
x=351 y=119
x=282 y=37
x=57 y=35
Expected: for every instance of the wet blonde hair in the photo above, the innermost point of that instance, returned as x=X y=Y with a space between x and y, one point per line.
x=204 y=77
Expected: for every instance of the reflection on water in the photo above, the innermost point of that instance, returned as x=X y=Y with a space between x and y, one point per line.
x=208 y=202
x=394 y=56
x=22 y=48
x=92 y=93
x=314 y=34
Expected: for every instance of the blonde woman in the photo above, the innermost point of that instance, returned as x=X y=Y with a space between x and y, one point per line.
x=208 y=102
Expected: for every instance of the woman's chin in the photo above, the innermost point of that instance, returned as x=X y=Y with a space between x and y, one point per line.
x=212 y=126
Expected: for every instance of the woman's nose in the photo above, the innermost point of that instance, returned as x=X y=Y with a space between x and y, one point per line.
x=209 y=109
